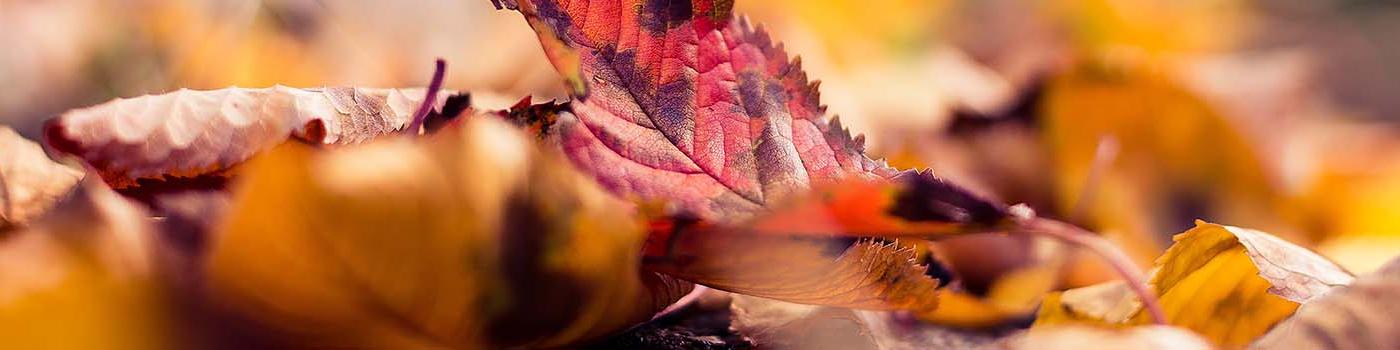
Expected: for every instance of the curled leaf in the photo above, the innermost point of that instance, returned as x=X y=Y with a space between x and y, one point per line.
x=30 y=183
x=1357 y=316
x=188 y=133
x=1293 y=273
x=1226 y=283
x=468 y=238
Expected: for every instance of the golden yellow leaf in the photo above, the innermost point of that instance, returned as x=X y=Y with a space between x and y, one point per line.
x=1355 y=185
x=1012 y=297
x=1228 y=284
x=1178 y=158
x=470 y=238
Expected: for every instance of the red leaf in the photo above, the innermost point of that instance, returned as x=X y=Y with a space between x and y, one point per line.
x=678 y=100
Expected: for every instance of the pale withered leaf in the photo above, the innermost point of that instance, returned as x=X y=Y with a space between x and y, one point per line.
x=30 y=183
x=189 y=133
x=1361 y=315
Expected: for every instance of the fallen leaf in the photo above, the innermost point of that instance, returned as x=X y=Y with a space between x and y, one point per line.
x=1228 y=284
x=1178 y=158
x=855 y=243
x=1292 y=272
x=471 y=237
x=1010 y=300
x=866 y=274
x=1353 y=175
x=1083 y=337
x=30 y=183
x=1356 y=316
x=774 y=324
x=684 y=102
x=188 y=133
x=81 y=277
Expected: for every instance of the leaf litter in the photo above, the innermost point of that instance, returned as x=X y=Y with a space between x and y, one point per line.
x=692 y=151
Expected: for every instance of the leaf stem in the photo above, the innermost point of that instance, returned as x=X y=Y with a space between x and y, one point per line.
x=429 y=99
x=1110 y=253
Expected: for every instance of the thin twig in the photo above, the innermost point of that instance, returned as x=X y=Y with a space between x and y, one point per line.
x=1111 y=254
x=429 y=99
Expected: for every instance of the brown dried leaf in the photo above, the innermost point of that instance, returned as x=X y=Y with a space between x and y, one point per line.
x=30 y=183
x=188 y=133
x=1357 y=316
x=846 y=272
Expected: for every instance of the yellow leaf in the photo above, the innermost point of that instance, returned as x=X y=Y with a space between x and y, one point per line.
x=471 y=238
x=1179 y=159
x=1012 y=297
x=1228 y=284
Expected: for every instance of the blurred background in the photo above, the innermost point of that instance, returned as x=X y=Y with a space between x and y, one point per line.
x=1129 y=117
